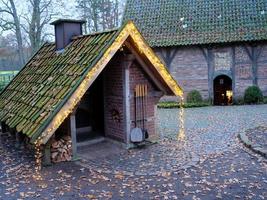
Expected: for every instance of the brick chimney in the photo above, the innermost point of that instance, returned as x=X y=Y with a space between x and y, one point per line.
x=65 y=30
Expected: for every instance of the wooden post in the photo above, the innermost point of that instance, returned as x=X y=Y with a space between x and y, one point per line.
x=254 y=52
x=128 y=60
x=73 y=135
x=18 y=140
x=233 y=72
x=254 y=65
x=12 y=132
x=127 y=103
x=207 y=53
x=170 y=54
x=3 y=127
x=47 y=154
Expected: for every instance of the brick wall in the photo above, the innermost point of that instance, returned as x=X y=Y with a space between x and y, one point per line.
x=114 y=79
x=189 y=67
x=138 y=76
x=113 y=100
x=262 y=69
x=243 y=71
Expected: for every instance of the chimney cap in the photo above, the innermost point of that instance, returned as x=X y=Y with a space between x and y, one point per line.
x=59 y=21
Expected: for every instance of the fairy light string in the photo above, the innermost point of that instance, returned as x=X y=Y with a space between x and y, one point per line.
x=181 y=134
x=128 y=30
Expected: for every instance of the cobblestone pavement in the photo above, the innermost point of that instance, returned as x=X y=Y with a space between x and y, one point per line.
x=258 y=136
x=226 y=170
x=152 y=159
x=212 y=129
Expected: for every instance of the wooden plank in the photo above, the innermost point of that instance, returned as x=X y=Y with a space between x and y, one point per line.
x=47 y=154
x=207 y=54
x=127 y=102
x=233 y=71
x=3 y=127
x=145 y=67
x=73 y=135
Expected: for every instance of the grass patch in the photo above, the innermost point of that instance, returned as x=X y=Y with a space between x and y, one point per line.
x=172 y=104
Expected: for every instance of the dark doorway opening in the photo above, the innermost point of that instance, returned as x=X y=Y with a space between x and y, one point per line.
x=90 y=113
x=223 y=94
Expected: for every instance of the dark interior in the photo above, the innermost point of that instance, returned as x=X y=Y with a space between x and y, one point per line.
x=222 y=84
x=90 y=113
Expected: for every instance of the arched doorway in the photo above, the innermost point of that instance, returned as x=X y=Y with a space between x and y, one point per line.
x=222 y=86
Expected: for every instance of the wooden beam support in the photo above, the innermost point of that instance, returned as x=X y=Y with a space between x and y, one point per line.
x=3 y=127
x=254 y=64
x=248 y=52
x=18 y=139
x=259 y=51
x=254 y=54
x=206 y=51
x=12 y=132
x=233 y=70
x=169 y=56
x=73 y=136
x=127 y=101
x=144 y=66
x=47 y=154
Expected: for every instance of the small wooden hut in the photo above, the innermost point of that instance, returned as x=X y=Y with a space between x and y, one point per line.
x=83 y=86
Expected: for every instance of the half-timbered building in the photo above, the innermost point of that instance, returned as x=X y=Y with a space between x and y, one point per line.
x=218 y=47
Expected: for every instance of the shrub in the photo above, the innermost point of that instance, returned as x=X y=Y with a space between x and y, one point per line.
x=265 y=100
x=253 y=95
x=239 y=101
x=194 y=96
x=185 y=105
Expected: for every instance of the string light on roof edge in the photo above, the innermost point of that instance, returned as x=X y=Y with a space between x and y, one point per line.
x=67 y=109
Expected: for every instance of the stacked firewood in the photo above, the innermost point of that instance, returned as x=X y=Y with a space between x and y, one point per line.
x=61 y=149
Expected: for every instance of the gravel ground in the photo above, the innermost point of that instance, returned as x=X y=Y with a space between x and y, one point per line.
x=258 y=136
x=225 y=169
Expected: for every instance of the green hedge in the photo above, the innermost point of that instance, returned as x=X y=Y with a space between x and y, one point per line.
x=238 y=101
x=194 y=96
x=173 y=104
x=253 y=95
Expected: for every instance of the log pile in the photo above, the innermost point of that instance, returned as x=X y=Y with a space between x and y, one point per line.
x=61 y=150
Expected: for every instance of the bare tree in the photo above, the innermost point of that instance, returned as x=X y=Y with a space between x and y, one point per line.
x=9 y=59
x=41 y=14
x=100 y=14
x=89 y=12
x=10 y=21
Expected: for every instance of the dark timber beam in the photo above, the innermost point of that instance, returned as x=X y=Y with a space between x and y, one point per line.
x=169 y=56
x=126 y=99
x=19 y=140
x=3 y=127
x=47 y=154
x=73 y=132
x=254 y=51
x=206 y=51
x=233 y=70
x=144 y=66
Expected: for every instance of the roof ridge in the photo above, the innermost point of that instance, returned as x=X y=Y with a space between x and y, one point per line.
x=95 y=33
x=172 y=23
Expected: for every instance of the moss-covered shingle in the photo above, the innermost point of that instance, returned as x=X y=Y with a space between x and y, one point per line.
x=188 y=22
x=47 y=79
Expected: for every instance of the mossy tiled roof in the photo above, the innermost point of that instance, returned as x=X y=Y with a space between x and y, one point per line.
x=188 y=22
x=47 y=80
x=51 y=84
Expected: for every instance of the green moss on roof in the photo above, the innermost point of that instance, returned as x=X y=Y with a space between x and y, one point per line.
x=47 y=80
x=189 y=22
